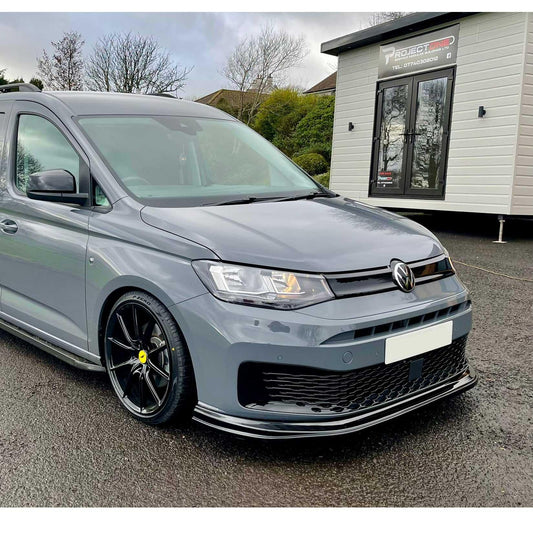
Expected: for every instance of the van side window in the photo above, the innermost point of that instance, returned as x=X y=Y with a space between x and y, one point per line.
x=41 y=146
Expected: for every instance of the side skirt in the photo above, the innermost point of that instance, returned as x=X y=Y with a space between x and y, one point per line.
x=50 y=348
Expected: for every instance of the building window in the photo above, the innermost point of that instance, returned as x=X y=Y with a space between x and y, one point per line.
x=411 y=135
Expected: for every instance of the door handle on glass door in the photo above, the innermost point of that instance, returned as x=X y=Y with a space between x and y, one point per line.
x=8 y=226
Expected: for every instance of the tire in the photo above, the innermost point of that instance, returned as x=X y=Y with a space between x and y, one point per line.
x=147 y=360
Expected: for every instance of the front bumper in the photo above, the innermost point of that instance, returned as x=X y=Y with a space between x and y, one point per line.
x=222 y=337
x=267 y=429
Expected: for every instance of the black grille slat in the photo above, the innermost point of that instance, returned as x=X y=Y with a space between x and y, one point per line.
x=319 y=391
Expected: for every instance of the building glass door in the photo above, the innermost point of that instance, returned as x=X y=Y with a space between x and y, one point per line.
x=411 y=140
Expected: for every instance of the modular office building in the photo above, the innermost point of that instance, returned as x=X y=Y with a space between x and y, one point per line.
x=434 y=111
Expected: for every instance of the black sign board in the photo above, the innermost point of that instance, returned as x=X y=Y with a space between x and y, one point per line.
x=431 y=50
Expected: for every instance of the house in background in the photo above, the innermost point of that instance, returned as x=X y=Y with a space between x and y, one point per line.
x=227 y=98
x=326 y=86
x=434 y=111
x=231 y=100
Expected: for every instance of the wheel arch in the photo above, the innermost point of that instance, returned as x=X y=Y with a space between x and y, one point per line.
x=180 y=388
x=109 y=297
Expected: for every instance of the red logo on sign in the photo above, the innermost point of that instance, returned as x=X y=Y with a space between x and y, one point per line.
x=435 y=45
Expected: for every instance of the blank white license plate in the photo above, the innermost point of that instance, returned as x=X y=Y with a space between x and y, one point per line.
x=416 y=342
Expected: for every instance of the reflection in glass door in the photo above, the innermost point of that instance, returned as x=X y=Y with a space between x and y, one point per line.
x=391 y=152
x=410 y=147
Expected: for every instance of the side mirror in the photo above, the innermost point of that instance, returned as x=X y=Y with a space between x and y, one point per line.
x=54 y=186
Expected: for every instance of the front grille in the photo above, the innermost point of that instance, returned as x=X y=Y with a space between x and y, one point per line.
x=360 y=283
x=304 y=389
x=399 y=325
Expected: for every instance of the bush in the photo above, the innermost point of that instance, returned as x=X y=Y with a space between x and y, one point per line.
x=323 y=149
x=323 y=179
x=297 y=124
x=317 y=126
x=285 y=144
x=279 y=115
x=312 y=163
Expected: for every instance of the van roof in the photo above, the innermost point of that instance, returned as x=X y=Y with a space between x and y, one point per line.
x=100 y=103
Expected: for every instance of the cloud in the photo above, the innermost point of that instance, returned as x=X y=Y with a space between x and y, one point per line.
x=200 y=39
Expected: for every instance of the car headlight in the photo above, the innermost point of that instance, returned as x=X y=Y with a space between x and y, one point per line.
x=447 y=254
x=262 y=286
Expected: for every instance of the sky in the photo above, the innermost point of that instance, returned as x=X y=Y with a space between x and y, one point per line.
x=202 y=40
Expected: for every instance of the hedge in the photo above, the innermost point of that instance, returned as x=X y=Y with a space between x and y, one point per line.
x=312 y=163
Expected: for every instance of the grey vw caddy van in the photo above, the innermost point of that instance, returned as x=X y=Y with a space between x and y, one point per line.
x=166 y=243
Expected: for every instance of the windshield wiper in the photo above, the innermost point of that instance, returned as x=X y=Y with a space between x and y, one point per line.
x=309 y=196
x=246 y=200
x=253 y=199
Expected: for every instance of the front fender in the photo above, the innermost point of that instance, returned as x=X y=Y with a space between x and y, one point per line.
x=124 y=252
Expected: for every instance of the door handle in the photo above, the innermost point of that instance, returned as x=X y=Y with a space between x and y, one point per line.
x=8 y=226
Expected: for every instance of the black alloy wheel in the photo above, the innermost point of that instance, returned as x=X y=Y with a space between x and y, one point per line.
x=147 y=361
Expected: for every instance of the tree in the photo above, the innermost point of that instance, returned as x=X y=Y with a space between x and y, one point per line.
x=26 y=164
x=312 y=163
x=259 y=60
x=279 y=115
x=314 y=132
x=63 y=69
x=37 y=82
x=4 y=81
x=131 y=63
x=379 y=17
x=99 y=66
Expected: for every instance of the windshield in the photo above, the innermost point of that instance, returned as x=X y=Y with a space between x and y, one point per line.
x=184 y=161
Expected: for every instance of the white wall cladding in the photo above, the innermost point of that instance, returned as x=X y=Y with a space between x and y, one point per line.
x=522 y=203
x=354 y=101
x=482 y=152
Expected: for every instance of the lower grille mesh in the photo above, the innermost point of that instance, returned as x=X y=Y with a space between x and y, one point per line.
x=303 y=389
